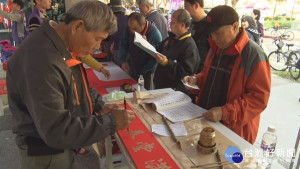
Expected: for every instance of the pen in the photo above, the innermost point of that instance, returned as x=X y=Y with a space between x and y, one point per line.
x=125 y=106
x=169 y=128
x=219 y=160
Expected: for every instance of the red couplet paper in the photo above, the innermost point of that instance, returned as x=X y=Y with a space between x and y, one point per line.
x=143 y=147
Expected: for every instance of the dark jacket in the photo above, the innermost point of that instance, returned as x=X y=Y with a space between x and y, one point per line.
x=160 y=22
x=200 y=35
x=248 y=86
x=122 y=21
x=260 y=29
x=183 y=60
x=140 y=62
x=48 y=99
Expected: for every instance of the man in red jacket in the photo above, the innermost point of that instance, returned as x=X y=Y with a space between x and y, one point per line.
x=236 y=80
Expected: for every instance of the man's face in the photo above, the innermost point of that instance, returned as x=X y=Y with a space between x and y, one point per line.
x=134 y=26
x=253 y=15
x=225 y=35
x=174 y=25
x=245 y=24
x=190 y=8
x=16 y=7
x=83 y=42
x=44 y=4
x=144 y=9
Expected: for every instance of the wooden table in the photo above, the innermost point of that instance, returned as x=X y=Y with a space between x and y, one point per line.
x=187 y=155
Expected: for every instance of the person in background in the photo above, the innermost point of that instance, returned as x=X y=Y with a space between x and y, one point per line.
x=198 y=29
x=151 y=14
x=37 y=17
x=235 y=82
x=250 y=26
x=38 y=14
x=133 y=59
x=19 y=28
x=180 y=54
x=260 y=27
x=53 y=107
x=122 y=20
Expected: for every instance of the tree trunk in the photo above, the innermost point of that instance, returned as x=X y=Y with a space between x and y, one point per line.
x=234 y=2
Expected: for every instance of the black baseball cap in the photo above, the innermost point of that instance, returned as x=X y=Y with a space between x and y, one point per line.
x=220 y=16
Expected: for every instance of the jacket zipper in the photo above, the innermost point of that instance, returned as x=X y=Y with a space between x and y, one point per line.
x=76 y=92
x=86 y=89
x=219 y=59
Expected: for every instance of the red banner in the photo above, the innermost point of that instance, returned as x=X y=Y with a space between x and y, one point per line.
x=143 y=147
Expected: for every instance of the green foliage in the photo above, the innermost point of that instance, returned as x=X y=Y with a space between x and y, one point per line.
x=285 y=74
x=282 y=23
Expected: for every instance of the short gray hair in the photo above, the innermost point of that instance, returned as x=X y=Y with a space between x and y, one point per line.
x=140 y=19
x=184 y=17
x=96 y=15
x=145 y=2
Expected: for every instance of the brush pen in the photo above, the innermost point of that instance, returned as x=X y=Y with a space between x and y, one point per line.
x=125 y=106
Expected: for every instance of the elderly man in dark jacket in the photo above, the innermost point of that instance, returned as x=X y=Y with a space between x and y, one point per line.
x=181 y=54
x=53 y=107
x=133 y=59
x=151 y=14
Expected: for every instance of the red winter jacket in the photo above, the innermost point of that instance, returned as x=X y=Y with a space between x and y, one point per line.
x=249 y=86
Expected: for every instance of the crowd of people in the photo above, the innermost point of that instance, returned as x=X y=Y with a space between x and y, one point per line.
x=56 y=112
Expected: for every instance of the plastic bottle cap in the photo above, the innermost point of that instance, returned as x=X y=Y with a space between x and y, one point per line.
x=271 y=129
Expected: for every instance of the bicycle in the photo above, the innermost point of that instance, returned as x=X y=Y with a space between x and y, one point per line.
x=286 y=35
x=294 y=65
x=279 y=60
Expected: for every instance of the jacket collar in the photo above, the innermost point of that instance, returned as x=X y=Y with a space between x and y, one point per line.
x=185 y=35
x=145 y=29
x=237 y=46
x=56 y=40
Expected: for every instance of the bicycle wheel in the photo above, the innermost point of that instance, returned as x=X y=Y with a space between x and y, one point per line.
x=294 y=71
x=274 y=34
x=278 y=61
x=289 y=35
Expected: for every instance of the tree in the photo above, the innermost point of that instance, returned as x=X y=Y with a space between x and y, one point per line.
x=233 y=3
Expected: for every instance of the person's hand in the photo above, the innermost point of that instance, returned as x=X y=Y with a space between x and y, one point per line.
x=160 y=58
x=123 y=118
x=125 y=67
x=105 y=72
x=191 y=80
x=214 y=114
x=144 y=36
x=109 y=108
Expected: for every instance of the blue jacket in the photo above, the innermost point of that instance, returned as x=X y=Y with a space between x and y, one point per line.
x=140 y=62
x=122 y=24
x=160 y=22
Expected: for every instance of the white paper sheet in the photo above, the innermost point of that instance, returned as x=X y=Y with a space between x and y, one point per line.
x=116 y=73
x=190 y=86
x=177 y=128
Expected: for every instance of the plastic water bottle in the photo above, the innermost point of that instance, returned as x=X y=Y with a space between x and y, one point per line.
x=268 y=145
x=140 y=82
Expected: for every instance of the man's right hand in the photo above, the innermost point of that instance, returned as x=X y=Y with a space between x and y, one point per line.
x=125 y=67
x=191 y=80
x=123 y=118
